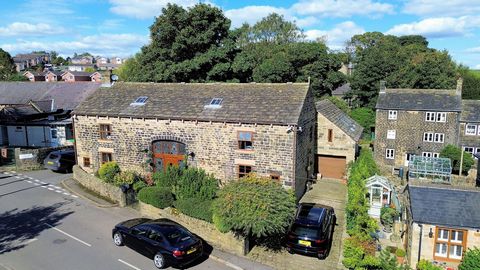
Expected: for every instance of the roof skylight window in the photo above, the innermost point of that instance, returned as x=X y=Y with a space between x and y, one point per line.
x=139 y=101
x=216 y=102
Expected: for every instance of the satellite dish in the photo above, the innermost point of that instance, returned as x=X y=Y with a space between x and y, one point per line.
x=114 y=77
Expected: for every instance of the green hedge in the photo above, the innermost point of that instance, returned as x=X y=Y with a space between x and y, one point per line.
x=137 y=186
x=196 y=208
x=125 y=177
x=108 y=170
x=159 y=197
x=195 y=183
x=167 y=178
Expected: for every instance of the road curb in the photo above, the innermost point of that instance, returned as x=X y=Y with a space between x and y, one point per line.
x=229 y=264
x=64 y=184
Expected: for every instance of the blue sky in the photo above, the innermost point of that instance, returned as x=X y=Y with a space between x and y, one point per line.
x=120 y=27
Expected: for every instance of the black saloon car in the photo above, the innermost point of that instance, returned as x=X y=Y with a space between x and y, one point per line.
x=312 y=231
x=61 y=160
x=162 y=240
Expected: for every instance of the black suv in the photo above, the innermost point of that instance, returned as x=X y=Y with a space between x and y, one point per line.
x=60 y=161
x=312 y=231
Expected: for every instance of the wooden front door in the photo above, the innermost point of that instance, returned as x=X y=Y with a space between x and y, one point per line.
x=168 y=153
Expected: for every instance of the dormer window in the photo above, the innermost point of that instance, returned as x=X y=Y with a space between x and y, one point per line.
x=139 y=101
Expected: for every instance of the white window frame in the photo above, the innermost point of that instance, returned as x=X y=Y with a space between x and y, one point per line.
x=391 y=134
x=392 y=115
x=428 y=137
x=426 y=154
x=445 y=255
x=439 y=138
x=455 y=247
x=469 y=148
x=430 y=116
x=441 y=117
x=474 y=129
x=440 y=235
x=435 y=155
x=454 y=237
x=390 y=153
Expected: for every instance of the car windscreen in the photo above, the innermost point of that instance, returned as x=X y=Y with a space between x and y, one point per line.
x=176 y=235
x=301 y=230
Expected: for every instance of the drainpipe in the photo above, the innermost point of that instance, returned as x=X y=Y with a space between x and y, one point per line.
x=294 y=130
x=420 y=242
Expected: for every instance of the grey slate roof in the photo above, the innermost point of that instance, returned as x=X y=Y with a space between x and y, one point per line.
x=79 y=73
x=419 y=100
x=246 y=103
x=341 y=90
x=340 y=119
x=445 y=207
x=470 y=111
x=65 y=95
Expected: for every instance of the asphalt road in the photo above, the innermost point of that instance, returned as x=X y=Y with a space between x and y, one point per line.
x=44 y=227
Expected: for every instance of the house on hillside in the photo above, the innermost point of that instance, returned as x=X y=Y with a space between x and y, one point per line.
x=77 y=76
x=53 y=76
x=337 y=140
x=82 y=60
x=38 y=114
x=442 y=224
x=228 y=129
x=35 y=76
x=417 y=122
x=470 y=126
x=81 y=67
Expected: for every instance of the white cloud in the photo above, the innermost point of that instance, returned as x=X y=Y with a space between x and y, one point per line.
x=27 y=29
x=445 y=7
x=477 y=66
x=144 y=9
x=104 y=44
x=473 y=50
x=342 y=8
x=337 y=36
x=438 y=27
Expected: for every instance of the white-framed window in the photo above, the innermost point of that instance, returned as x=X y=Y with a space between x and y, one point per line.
x=391 y=134
x=390 y=154
x=392 y=115
x=430 y=116
x=439 y=137
x=456 y=252
x=441 y=117
x=426 y=154
x=428 y=137
x=441 y=249
x=456 y=236
x=443 y=234
x=435 y=155
x=470 y=129
x=469 y=149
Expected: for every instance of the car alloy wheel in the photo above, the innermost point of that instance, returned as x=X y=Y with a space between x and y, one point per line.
x=159 y=261
x=118 y=239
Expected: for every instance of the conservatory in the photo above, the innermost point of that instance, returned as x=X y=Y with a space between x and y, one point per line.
x=380 y=193
x=430 y=168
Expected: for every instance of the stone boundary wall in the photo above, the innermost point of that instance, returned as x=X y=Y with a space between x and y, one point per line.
x=114 y=193
x=32 y=159
x=207 y=231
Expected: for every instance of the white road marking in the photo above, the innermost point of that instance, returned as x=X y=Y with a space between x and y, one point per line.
x=31 y=240
x=43 y=183
x=6 y=173
x=36 y=180
x=29 y=181
x=36 y=184
x=134 y=267
x=43 y=186
x=51 y=185
x=71 y=236
x=74 y=196
x=65 y=193
x=18 y=177
x=30 y=177
x=58 y=191
x=50 y=189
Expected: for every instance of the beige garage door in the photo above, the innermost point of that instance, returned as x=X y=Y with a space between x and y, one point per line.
x=332 y=166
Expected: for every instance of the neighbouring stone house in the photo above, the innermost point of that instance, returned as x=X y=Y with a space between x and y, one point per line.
x=470 y=126
x=337 y=140
x=442 y=224
x=227 y=129
x=415 y=122
x=35 y=76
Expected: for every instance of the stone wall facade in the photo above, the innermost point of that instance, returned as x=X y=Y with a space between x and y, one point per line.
x=428 y=244
x=410 y=127
x=109 y=191
x=341 y=144
x=470 y=140
x=215 y=145
x=32 y=159
x=207 y=231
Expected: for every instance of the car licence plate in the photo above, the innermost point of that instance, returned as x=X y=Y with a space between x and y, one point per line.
x=191 y=251
x=50 y=162
x=305 y=243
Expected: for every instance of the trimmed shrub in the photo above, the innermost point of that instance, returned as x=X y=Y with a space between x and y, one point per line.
x=108 y=170
x=167 y=178
x=427 y=265
x=471 y=259
x=125 y=177
x=137 y=186
x=159 y=197
x=196 y=208
x=219 y=224
x=401 y=252
x=454 y=153
x=195 y=183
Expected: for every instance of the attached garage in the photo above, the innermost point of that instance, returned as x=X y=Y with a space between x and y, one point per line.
x=332 y=166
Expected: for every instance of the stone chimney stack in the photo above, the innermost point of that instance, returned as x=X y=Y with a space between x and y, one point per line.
x=459 y=86
x=382 y=87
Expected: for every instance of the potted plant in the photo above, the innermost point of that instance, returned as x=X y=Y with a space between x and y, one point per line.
x=387 y=217
x=400 y=255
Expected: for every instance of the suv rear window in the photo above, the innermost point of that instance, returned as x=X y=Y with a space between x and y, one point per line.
x=305 y=231
x=176 y=235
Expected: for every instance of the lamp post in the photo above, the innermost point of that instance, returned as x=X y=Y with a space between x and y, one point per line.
x=461 y=161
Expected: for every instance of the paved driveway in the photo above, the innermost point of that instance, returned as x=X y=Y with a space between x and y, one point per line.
x=326 y=191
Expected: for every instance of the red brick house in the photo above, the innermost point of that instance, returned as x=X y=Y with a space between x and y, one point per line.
x=77 y=76
x=35 y=76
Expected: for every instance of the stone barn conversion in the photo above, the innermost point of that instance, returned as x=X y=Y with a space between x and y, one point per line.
x=227 y=129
